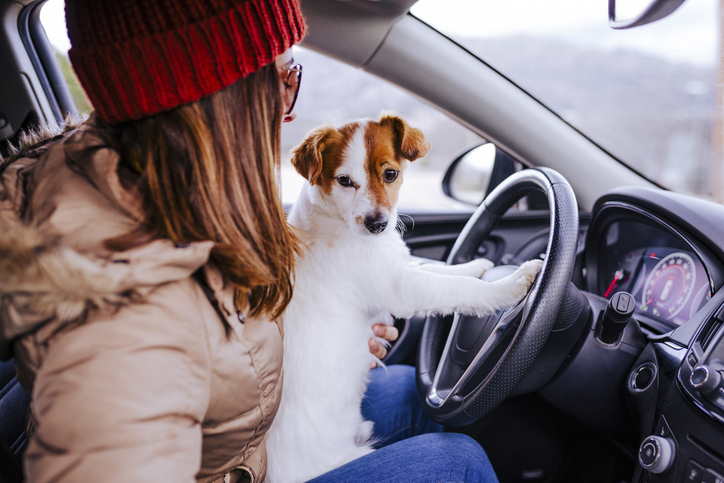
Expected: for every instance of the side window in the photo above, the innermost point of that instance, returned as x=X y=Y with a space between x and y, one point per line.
x=334 y=93
x=52 y=16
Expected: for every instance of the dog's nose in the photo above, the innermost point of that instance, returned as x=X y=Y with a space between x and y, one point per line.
x=376 y=223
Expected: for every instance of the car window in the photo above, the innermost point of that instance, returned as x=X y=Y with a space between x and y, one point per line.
x=646 y=95
x=332 y=92
x=52 y=16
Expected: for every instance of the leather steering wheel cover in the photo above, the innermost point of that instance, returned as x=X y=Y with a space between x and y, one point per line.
x=542 y=305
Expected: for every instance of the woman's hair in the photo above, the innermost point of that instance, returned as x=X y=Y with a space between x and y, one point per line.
x=209 y=171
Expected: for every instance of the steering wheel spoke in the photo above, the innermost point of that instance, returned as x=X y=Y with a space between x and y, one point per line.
x=504 y=325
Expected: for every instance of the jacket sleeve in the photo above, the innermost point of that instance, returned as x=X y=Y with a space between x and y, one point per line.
x=122 y=398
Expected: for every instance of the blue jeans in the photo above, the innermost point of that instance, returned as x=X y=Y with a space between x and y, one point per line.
x=411 y=447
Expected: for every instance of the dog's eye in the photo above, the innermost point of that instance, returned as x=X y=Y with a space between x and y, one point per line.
x=345 y=181
x=391 y=175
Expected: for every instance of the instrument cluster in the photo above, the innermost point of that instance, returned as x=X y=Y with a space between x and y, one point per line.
x=662 y=271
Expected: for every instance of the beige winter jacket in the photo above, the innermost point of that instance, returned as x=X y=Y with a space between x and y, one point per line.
x=132 y=374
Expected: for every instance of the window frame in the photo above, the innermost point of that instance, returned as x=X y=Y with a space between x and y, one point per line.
x=41 y=55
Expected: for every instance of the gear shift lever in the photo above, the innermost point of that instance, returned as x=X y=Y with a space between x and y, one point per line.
x=620 y=308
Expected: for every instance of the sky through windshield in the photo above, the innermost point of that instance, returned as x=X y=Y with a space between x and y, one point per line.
x=651 y=95
x=693 y=40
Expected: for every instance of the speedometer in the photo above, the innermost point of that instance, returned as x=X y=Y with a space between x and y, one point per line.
x=669 y=285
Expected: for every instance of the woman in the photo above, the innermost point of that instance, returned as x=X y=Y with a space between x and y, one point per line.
x=145 y=256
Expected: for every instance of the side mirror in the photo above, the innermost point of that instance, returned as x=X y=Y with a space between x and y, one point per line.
x=476 y=172
x=625 y=14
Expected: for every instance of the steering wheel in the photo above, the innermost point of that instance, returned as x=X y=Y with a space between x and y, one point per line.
x=484 y=359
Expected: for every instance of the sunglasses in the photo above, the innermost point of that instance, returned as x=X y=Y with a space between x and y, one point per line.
x=291 y=86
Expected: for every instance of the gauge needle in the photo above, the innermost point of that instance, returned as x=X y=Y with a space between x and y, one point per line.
x=616 y=277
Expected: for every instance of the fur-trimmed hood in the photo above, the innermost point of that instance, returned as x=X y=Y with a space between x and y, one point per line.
x=59 y=200
x=124 y=355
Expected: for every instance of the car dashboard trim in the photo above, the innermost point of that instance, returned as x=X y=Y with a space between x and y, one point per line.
x=663 y=224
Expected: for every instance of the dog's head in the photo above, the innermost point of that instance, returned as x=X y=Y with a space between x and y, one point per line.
x=356 y=169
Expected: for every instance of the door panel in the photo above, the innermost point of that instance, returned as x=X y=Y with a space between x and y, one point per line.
x=433 y=235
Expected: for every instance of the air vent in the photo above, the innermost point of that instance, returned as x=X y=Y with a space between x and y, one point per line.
x=710 y=332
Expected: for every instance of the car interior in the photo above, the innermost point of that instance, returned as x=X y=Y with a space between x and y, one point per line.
x=611 y=370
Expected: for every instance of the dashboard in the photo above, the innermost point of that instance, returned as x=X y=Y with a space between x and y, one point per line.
x=669 y=273
x=667 y=251
x=664 y=274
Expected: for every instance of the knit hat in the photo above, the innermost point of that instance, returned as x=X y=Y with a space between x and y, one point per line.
x=135 y=58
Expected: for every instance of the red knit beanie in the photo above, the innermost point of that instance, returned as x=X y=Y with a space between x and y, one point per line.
x=135 y=58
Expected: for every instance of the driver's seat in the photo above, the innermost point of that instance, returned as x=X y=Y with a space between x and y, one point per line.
x=13 y=407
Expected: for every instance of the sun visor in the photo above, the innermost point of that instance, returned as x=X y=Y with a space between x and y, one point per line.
x=351 y=30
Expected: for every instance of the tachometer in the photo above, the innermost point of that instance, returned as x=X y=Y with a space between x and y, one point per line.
x=669 y=285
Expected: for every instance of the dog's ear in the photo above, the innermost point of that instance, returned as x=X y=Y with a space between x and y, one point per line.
x=307 y=157
x=410 y=142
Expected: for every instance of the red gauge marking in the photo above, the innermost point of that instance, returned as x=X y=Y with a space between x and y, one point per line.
x=616 y=277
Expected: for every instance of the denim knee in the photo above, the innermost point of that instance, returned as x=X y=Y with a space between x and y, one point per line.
x=461 y=454
x=457 y=445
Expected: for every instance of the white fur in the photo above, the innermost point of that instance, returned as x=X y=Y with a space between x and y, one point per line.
x=346 y=281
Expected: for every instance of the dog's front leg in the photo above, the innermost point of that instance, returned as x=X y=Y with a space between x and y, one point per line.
x=417 y=291
x=474 y=268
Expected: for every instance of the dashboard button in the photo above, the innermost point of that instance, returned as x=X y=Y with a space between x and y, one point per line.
x=694 y=472
x=642 y=378
x=649 y=453
x=705 y=379
x=656 y=454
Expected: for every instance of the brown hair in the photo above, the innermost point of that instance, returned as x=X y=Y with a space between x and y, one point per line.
x=209 y=171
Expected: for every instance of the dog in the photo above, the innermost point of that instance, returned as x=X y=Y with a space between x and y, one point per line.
x=356 y=271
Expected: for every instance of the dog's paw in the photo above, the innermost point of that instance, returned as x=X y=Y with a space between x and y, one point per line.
x=479 y=266
x=525 y=274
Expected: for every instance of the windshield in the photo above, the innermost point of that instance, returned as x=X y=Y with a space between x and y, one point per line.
x=649 y=95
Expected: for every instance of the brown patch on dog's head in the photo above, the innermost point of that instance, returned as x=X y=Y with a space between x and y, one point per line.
x=321 y=153
x=307 y=158
x=410 y=143
x=389 y=142
x=334 y=154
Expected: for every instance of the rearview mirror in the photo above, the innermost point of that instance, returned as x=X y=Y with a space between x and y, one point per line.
x=625 y=14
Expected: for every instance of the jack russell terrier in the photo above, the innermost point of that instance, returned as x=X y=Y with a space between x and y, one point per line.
x=356 y=271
